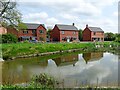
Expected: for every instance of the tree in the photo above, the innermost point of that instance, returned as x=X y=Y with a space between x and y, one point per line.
x=80 y=34
x=48 y=35
x=9 y=15
x=109 y=36
x=117 y=39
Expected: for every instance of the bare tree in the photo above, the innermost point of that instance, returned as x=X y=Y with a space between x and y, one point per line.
x=9 y=15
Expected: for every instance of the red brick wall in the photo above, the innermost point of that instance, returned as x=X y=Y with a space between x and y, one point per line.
x=98 y=35
x=43 y=35
x=12 y=31
x=3 y=30
x=55 y=34
x=68 y=33
x=20 y=32
x=86 y=35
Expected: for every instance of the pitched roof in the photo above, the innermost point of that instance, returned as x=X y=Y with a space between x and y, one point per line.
x=95 y=29
x=33 y=25
x=66 y=27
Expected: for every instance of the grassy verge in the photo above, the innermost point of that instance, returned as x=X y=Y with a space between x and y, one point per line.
x=19 y=49
x=46 y=82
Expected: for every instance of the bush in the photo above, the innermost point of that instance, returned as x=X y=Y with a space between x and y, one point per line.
x=117 y=38
x=43 y=80
x=9 y=38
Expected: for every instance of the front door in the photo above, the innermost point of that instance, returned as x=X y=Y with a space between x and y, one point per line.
x=68 y=40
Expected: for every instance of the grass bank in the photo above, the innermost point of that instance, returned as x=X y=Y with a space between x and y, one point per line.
x=21 y=49
x=46 y=82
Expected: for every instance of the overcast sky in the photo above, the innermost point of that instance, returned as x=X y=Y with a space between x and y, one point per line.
x=96 y=13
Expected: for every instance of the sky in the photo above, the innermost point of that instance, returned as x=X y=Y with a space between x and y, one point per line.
x=95 y=13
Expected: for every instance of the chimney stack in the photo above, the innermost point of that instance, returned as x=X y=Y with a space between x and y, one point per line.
x=86 y=25
x=73 y=24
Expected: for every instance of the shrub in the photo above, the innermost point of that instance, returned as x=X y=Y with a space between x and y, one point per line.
x=9 y=38
x=43 y=80
x=117 y=38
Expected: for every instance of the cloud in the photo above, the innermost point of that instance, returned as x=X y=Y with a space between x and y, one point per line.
x=81 y=12
x=42 y=15
x=35 y=17
x=51 y=21
x=65 y=6
x=115 y=14
x=68 y=16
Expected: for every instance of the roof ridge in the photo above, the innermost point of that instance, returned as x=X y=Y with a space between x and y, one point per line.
x=93 y=27
x=64 y=24
x=33 y=23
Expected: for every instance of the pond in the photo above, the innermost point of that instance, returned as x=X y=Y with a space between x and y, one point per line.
x=72 y=70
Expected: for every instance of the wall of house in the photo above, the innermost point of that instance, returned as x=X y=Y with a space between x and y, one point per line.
x=30 y=34
x=68 y=33
x=12 y=31
x=20 y=33
x=97 y=35
x=41 y=35
x=86 y=35
x=3 y=30
x=55 y=34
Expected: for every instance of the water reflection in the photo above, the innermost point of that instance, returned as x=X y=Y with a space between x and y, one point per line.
x=93 y=56
x=71 y=67
x=66 y=60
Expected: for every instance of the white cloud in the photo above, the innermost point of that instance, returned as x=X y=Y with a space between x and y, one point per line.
x=40 y=15
x=51 y=21
x=115 y=13
x=66 y=6
x=68 y=16
x=35 y=17
x=81 y=12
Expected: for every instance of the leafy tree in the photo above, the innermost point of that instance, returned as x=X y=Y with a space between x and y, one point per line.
x=109 y=36
x=9 y=38
x=80 y=34
x=48 y=34
x=9 y=15
x=117 y=39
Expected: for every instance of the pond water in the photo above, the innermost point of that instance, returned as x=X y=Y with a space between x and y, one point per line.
x=72 y=70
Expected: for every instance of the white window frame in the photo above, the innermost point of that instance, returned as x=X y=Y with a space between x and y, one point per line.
x=63 y=32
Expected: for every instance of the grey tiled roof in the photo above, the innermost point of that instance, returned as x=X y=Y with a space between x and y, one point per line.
x=95 y=29
x=33 y=25
x=66 y=27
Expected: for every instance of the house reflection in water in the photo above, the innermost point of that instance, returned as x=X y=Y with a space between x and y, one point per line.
x=93 y=56
x=66 y=60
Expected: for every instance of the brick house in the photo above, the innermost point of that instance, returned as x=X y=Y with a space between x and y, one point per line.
x=93 y=34
x=3 y=30
x=64 y=33
x=33 y=32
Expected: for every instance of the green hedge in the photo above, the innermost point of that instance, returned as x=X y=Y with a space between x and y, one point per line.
x=9 y=38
